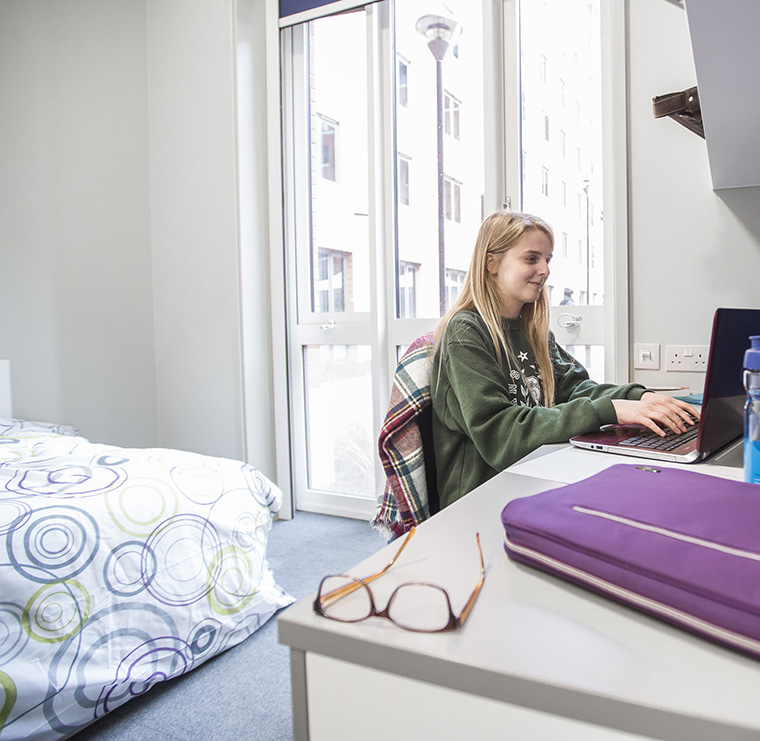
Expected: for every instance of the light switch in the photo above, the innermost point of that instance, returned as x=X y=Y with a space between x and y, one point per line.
x=646 y=356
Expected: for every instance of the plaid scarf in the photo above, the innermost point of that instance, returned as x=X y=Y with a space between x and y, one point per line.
x=404 y=502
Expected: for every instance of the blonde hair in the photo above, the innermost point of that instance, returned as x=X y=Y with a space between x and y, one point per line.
x=498 y=233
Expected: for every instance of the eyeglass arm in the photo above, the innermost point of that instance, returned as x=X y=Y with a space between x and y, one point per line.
x=471 y=601
x=408 y=537
x=347 y=589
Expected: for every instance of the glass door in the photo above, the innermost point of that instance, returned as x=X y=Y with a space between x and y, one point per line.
x=330 y=254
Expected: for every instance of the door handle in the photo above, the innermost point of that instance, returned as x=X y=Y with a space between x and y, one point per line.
x=328 y=327
x=570 y=320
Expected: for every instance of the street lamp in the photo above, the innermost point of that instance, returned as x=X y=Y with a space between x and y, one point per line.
x=440 y=32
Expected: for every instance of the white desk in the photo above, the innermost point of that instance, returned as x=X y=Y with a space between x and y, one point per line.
x=538 y=658
x=565 y=463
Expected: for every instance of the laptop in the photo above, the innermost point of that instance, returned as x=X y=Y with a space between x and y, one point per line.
x=722 y=416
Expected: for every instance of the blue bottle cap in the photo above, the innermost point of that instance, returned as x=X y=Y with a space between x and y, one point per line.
x=752 y=355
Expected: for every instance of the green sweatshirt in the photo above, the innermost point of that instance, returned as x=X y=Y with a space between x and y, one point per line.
x=487 y=415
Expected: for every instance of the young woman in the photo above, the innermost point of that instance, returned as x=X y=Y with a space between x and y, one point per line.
x=501 y=385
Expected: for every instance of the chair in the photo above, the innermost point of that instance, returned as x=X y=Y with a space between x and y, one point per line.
x=406 y=444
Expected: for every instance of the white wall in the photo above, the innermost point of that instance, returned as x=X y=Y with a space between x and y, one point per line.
x=76 y=302
x=196 y=293
x=259 y=174
x=120 y=288
x=692 y=249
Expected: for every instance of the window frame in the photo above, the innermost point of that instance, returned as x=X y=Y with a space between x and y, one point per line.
x=402 y=90
x=327 y=257
x=502 y=188
x=452 y=195
x=454 y=282
x=333 y=165
x=404 y=165
x=407 y=294
x=451 y=113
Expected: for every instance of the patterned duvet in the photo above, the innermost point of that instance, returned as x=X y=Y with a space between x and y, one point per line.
x=120 y=568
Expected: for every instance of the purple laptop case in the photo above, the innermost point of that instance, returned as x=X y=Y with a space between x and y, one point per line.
x=680 y=545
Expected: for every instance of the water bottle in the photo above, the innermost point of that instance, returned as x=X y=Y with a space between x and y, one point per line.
x=752 y=412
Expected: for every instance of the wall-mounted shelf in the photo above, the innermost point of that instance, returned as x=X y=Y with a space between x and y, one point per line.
x=724 y=39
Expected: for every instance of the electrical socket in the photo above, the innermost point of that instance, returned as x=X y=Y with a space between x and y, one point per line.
x=686 y=357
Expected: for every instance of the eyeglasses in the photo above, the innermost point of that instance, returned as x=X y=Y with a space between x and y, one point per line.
x=421 y=607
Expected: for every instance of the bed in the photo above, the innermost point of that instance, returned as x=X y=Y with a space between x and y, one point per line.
x=120 y=568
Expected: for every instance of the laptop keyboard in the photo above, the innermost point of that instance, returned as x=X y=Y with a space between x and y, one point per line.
x=672 y=440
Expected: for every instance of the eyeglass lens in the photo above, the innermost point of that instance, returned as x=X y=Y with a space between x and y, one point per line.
x=420 y=607
x=345 y=599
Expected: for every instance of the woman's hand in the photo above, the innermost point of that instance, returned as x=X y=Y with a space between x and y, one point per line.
x=656 y=412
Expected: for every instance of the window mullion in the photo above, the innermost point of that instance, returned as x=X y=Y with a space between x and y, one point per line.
x=380 y=84
x=614 y=144
x=510 y=119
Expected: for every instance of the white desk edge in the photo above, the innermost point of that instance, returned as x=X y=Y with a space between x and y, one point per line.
x=693 y=712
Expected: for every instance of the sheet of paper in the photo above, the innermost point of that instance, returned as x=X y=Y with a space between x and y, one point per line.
x=568 y=464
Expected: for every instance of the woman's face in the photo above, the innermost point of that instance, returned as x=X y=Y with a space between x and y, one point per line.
x=522 y=271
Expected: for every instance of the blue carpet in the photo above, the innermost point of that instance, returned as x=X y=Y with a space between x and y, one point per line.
x=244 y=693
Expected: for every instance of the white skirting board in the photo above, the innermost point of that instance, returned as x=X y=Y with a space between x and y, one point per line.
x=5 y=389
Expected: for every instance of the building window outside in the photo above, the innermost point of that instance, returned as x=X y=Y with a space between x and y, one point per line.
x=451 y=115
x=328 y=135
x=454 y=283
x=403 y=82
x=562 y=79
x=420 y=237
x=452 y=199
x=403 y=179
x=407 y=289
x=333 y=284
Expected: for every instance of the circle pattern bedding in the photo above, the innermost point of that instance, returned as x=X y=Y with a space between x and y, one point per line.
x=120 y=568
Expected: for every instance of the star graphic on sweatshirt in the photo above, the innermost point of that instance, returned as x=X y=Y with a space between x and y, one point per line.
x=522 y=356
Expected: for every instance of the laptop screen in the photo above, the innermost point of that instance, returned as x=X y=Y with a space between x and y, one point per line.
x=724 y=394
